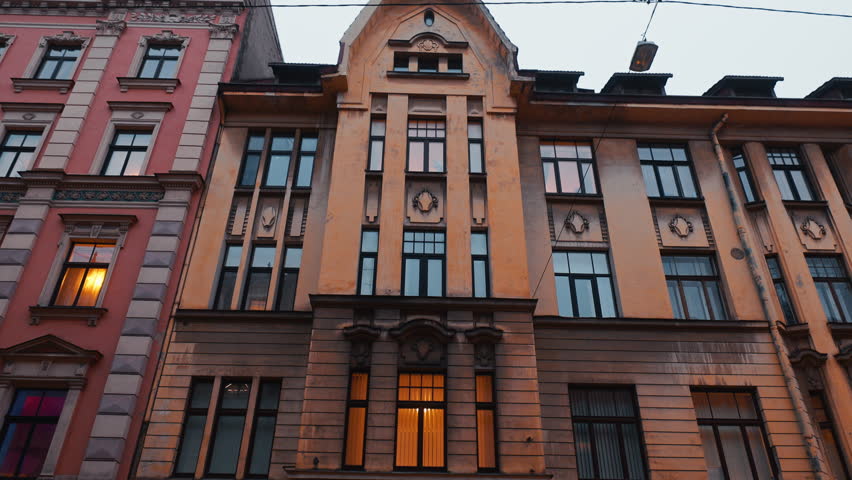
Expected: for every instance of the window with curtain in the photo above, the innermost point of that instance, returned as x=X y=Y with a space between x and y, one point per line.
x=486 y=438
x=426 y=145
x=376 y=158
x=228 y=277
x=289 y=278
x=307 y=155
x=420 y=424
x=251 y=160
x=479 y=257
x=194 y=420
x=744 y=175
x=824 y=424
x=126 y=154
x=83 y=274
x=583 y=284
x=58 y=62
x=735 y=443
x=17 y=151
x=789 y=172
x=568 y=167
x=160 y=61
x=259 y=277
x=28 y=430
x=781 y=290
x=367 y=263
x=278 y=160
x=228 y=427
x=476 y=161
x=693 y=284
x=607 y=433
x=356 y=420
x=667 y=170
x=263 y=432
x=423 y=258
x=833 y=286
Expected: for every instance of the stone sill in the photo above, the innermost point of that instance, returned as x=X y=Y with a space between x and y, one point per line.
x=595 y=198
x=432 y=75
x=651 y=323
x=167 y=84
x=362 y=475
x=676 y=201
x=794 y=330
x=90 y=314
x=21 y=84
x=424 y=304
x=840 y=330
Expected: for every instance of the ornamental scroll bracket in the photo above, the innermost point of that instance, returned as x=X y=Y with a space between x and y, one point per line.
x=361 y=338
x=484 y=340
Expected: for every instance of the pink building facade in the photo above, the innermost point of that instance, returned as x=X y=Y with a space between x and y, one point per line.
x=107 y=123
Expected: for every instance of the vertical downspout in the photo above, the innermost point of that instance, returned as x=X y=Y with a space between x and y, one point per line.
x=814 y=453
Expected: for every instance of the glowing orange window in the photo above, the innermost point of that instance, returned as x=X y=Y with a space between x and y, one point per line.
x=420 y=424
x=83 y=274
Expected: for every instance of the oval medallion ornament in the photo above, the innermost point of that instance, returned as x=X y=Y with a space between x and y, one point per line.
x=813 y=229
x=680 y=226
x=576 y=222
x=424 y=201
x=267 y=217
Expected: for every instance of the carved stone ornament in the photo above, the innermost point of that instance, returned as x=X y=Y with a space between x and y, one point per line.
x=111 y=27
x=137 y=115
x=484 y=340
x=65 y=38
x=424 y=201
x=361 y=338
x=268 y=216
x=844 y=356
x=427 y=45
x=680 y=226
x=809 y=362
x=170 y=18
x=576 y=222
x=422 y=343
x=812 y=228
x=29 y=116
x=225 y=31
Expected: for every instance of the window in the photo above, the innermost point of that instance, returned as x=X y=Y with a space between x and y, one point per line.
x=568 y=167
x=420 y=422
x=735 y=444
x=17 y=151
x=454 y=63
x=4 y=45
x=781 y=290
x=693 y=285
x=228 y=277
x=28 y=430
x=58 y=62
x=289 y=278
x=369 y=257
x=400 y=62
x=825 y=426
x=259 y=277
x=251 y=160
x=356 y=420
x=607 y=433
x=486 y=406
x=278 y=164
x=474 y=146
x=193 y=426
x=263 y=432
x=377 y=145
x=160 y=61
x=479 y=256
x=305 y=169
x=127 y=153
x=833 y=287
x=426 y=145
x=423 y=264
x=789 y=174
x=429 y=18
x=667 y=171
x=583 y=284
x=83 y=274
x=744 y=175
x=228 y=427
x=427 y=63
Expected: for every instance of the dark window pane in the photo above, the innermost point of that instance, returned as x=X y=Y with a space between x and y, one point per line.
x=786 y=303
x=563 y=296
x=306 y=171
x=368 y=270
x=257 y=289
x=226 y=290
x=674 y=297
x=279 y=165
x=250 y=169
x=412 y=277
x=235 y=394
x=261 y=449
x=269 y=393
x=650 y=178
x=226 y=444
x=201 y=392
x=711 y=454
x=829 y=306
x=734 y=450
x=633 y=452
x=435 y=278
x=749 y=193
x=190 y=444
x=609 y=455
x=585 y=464
x=287 y=295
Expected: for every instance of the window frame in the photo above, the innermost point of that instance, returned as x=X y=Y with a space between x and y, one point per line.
x=788 y=307
x=829 y=424
x=580 y=162
x=223 y=269
x=350 y=404
x=221 y=411
x=420 y=406
x=33 y=151
x=744 y=172
x=376 y=138
x=698 y=278
x=787 y=170
x=160 y=60
x=366 y=255
x=187 y=411
x=484 y=258
x=831 y=281
x=427 y=141
x=128 y=150
x=60 y=60
x=260 y=160
x=492 y=407
x=476 y=141
x=253 y=270
x=593 y=277
x=655 y=164
x=54 y=420
x=6 y=41
x=297 y=166
x=284 y=270
x=257 y=413
x=66 y=264
x=267 y=150
x=423 y=258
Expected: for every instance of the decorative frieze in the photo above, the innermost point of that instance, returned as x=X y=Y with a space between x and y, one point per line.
x=107 y=196
x=145 y=17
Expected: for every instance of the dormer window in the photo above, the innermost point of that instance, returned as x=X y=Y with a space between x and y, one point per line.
x=427 y=63
x=454 y=63
x=400 y=62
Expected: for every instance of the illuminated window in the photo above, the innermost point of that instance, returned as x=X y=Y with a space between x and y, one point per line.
x=289 y=278
x=17 y=151
x=160 y=61
x=476 y=162
x=228 y=277
x=28 y=430
x=127 y=153
x=568 y=167
x=58 y=62
x=377 y=145
x=667 y=171
x=426 y=145
x=790 y=174
x=259 y=277
x=369 y=258
x=420 y=425
x=486 y=444
x=83 y=274
x=356 y=420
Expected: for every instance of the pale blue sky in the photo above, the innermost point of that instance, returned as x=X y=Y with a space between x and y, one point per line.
x=698 y=44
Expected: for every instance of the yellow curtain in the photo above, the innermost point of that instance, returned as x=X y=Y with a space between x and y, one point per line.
x=358 y=386
x=91 y=287
x=406 y=437
x=69 y=286
x=485 y=438
x=355 y=436
x=433 y=437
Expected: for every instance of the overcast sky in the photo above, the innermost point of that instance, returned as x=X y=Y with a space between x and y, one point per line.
x=699 y=45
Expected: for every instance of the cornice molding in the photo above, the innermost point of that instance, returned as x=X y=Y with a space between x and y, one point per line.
x=32 y=107
x=424 y=304
x=140 y=106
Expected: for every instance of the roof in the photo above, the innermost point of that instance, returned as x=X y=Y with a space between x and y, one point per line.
x=626 y=82
x=744 y=86
x=835 y=88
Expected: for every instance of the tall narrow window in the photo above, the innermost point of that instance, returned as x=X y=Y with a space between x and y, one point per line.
x=278 y=165
x=228 y=427
x=693 y=284
x=28 y=430
x=127 y=153
x=377 y=145
x=486 y=439
x=781 y=290
x=369 y=257
x=83 y=274
x=420 y=425
x=228 y=277
x=474 y=146
x=259 y=277
x=307 y=154
x=160 y=61
x=356 y=420
x=479 y=256
x=426 y=145
x=607 y=433
x=568 y=167
x=263 y=433
x=583 y=284
x=824 y=423
x=744 y=175
x=58 y=62
x=735 y=444
x=251 y=161
x=423 y=264
x=790 y=174
x=667 y=171
x=193 y=426
x=289 y=278
x=833 y=287
x=17 y=151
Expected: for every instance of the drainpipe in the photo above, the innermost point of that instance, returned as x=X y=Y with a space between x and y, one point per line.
x=814 y=453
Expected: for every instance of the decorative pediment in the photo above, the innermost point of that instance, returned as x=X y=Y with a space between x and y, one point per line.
x=481 y=335
x=64 y=38
x=422 y=343
x=361 y=333
x=47 y=359
x=428 y=42
x=49 y=346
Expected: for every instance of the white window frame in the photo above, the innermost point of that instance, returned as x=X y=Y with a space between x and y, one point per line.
x=7 y=39
x=21 y=116
x=131 y=116
x=64 y=38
